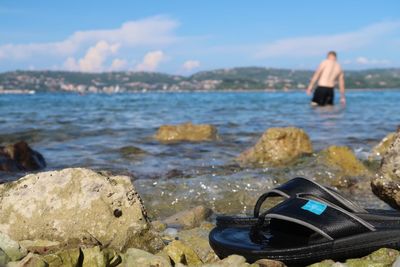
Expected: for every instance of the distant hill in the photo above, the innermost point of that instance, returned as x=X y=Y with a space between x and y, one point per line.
x=245 y=78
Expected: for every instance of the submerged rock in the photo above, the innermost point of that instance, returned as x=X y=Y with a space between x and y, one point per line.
x=76 y=207
x=186 y=132
x=189 y=218
x=131 y=151
x=380 y=149
x=386 y=185
x=277 y=147
x=20 y=157
x=342 y=159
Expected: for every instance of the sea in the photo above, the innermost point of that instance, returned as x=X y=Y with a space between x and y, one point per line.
x=100 y=131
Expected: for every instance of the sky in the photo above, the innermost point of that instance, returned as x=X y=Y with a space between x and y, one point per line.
x=183 y=37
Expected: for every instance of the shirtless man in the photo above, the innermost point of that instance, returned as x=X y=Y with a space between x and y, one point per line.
x=327 y=74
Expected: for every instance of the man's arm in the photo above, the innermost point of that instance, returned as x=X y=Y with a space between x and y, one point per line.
x=315 y=78
x=341 y=88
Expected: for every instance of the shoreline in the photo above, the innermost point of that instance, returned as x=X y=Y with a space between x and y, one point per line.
x=33 y=92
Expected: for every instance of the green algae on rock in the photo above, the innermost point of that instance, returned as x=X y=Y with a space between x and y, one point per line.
x=186 y=132
x=179 y=252
x=75 y=207
x=277 y=147
x=342 y=159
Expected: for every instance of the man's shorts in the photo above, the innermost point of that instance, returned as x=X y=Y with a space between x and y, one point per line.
x=323 y=96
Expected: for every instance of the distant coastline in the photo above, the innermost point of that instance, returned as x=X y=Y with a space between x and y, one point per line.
x=231 y=80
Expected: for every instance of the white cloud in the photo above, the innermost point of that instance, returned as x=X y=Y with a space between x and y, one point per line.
x=190 y=65
x=94 y=59
x=317 y=45
x=151 y=61
x=153 y=31
x=118 y=64
x=367 y=62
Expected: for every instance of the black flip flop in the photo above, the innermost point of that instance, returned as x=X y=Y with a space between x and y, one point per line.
x=290 y=189
x=303 y=230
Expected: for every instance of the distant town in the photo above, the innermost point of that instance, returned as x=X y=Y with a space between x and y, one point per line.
x=248 y=78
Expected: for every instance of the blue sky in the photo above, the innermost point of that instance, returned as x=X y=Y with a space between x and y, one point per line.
x=183 y=37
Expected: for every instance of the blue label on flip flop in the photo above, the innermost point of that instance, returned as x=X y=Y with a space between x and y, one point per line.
x=314 y=207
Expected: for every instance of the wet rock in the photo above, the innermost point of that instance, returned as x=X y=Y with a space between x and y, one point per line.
x=131 y=151
x=11 y=248
x=277 y=147
x=75 y=207
x=179 y=252
x=189 y=218
x=343 y=160
x=186 y=132
x=31 y=260
x=380 y=149
x=20 y=157
x=197 y=239
x=174 y=173
x=386 y=185
x=41 y=246
x=232 y=261
x=137 y=257
x=270 y=263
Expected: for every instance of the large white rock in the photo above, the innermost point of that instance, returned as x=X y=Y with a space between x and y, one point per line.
x=76 y=206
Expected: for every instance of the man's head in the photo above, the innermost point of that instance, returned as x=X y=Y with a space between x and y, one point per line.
x=332 y=55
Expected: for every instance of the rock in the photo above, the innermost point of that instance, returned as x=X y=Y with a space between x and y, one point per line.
x=342 y=159
x=131 y=151
x=179 y=252
x=384 y=257
x=137 y=257
x=197 y=239
x=4 y=259
x=386 y=185
x=93 y=257
x=112 y=257
x=186 y=132
x=189 y=218
x=232 y=261
x=41 y=246
x=31 y=260
x=325 y=263
x=76 y=207
x=277 y=147
x=10 y=247
x=270 y=263
x=20 y=157
x=159 y=226
x=380 y=149
x=69 y=257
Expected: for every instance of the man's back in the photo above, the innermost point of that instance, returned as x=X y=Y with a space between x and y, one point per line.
x=330 y=71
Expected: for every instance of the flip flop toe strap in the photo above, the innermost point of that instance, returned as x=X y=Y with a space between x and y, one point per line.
x=303 y=185
x=329 y=221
